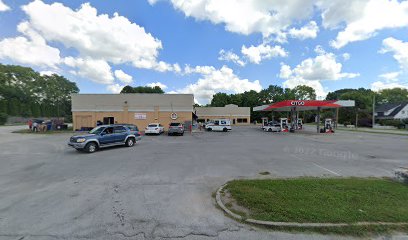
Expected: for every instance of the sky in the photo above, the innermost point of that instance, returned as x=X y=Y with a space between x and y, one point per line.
x=209 y=46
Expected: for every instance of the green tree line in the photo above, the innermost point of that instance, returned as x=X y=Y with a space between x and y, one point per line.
x=24 y=92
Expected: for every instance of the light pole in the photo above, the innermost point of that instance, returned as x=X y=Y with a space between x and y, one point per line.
x=373 y=111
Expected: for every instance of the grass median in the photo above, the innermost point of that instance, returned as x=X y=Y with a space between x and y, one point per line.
x=316 y=200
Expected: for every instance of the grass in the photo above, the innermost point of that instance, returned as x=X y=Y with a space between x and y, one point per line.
x=333 y=200
x=28 y=131
x=370 y=130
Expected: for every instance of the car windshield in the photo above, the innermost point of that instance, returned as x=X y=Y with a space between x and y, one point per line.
x=174 y=124
x=97 y=130
x=152 y=125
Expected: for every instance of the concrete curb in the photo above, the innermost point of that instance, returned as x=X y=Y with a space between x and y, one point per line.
x=293 y=224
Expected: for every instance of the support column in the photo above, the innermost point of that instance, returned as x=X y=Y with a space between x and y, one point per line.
x=337 y=117
x=318 y=120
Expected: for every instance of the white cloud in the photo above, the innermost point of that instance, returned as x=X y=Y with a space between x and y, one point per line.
x=256 y=54
x=390 y=76
x=316 y=85
x=250 y=16
x=312 y=71
x=357 y=19
x=114 y=88
x=3 y=6
x=97 y=71
x=159 y=84
x=389 y=80
x=365 y=19
x=123 y=77
x=29 y=49
x=229 y=56
x=113 y=39
x=214 y=80
x=308 y=31
x=346 y=56
x=399 y=50
x=379 y=85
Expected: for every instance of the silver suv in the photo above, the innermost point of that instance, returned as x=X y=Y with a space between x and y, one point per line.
x=176 y=129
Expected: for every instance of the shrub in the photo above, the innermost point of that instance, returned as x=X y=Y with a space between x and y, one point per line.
x=3 y=118
x=395 y=123
x=365 y=122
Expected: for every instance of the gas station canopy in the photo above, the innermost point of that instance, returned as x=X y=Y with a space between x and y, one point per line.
x=303 y=105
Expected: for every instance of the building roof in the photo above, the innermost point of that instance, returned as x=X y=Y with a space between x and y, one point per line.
x=134 y=101
x=388 y=106
x=228 y=110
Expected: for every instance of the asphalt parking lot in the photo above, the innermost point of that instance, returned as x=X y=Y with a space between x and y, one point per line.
x=161 y=188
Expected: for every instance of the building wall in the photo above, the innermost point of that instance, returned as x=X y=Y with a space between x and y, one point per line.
x=231 y=118
x=89 y=119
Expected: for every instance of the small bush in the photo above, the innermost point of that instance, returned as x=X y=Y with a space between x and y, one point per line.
x=3 y=118
x=395 y=123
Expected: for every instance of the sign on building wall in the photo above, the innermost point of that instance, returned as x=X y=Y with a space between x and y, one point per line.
x=174 y=116
x=140 y=116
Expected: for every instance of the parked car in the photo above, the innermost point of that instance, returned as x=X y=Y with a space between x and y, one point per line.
x=154 y=128
x=106 y=136
x=219 y=125
x=176 y=129
x=272 y=127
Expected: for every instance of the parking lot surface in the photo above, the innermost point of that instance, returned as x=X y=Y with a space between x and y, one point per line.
x=162 y=187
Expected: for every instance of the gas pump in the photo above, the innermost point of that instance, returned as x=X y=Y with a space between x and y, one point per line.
x=264 y=122
x=284 y=125
x=300 y=123
x=328 y=126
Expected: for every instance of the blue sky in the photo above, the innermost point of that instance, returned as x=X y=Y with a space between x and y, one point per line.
x=210 y=46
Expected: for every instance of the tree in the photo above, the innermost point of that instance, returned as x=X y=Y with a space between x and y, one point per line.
x=141 y=89
x=24 y=92
x=220 y=100
x=393 y=95
x=303 y=92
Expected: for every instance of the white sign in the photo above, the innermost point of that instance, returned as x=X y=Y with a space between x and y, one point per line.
x=174 y=116
x=140 y=116
x=297 y=103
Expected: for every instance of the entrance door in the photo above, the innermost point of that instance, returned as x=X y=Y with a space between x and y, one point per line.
x=108 y=120
x=233 y=121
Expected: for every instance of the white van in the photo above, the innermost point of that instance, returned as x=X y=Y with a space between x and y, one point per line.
x=219 y=125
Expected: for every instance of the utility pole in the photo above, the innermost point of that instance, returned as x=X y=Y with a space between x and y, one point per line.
x=357 y=109
x=373 y=110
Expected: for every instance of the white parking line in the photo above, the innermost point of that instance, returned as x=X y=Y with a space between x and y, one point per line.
x=317 y=165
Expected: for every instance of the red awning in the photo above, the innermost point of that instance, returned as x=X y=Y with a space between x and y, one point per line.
x=302 y=105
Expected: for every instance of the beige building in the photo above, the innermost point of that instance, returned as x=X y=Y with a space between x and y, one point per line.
x=139 y=109
x=237 y=115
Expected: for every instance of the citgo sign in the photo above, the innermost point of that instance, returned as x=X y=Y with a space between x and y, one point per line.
x=297 y=103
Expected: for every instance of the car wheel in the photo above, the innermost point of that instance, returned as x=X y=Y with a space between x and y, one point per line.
x=91 y=147
x=209 y=129
x=270 y=130
x=130 y=142
x=182 y=134
x=225 y=130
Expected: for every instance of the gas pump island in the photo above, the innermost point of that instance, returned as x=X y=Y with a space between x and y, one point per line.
x=294 y=106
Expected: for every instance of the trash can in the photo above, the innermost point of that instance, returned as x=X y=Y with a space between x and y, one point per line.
x=49 y=126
